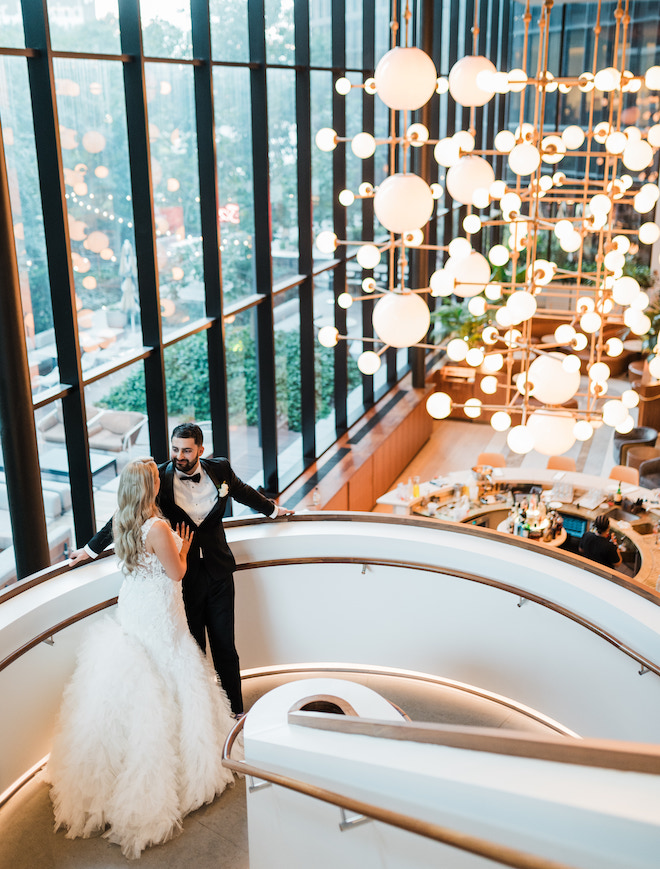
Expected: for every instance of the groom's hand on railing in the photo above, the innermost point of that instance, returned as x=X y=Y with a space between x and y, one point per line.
x=78 y=556
x=282 y=511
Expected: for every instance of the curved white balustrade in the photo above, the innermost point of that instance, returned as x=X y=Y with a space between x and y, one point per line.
x=314 y=605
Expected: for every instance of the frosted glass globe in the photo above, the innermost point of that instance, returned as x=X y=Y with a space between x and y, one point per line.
x=504 y=141
x=583 y=430
x=477 y=306
x=607 y=79
x=493 y=291
x=571 y=363
x=622 y=243
x=363 y=145
x=522 y=306
x=464 y=139
x=472 y=408
x=406 y=78
x=564 y=333
x=401 y=319
x=584 y=304
x=551 y=383
x=616 y=142
x=625 y=290
x=403 y=201
x=650 y=190
x=457 y=349
x=653 y=136
x=472 y=273
x=326 y=139
x=474 y=357
x=520 y=440
x=446 y=152
x=634 y=134
x=417 y=134
x=652 y=78
x=497 y=189
x=642 y=204
x=640 y=301
x=654 y=367
x=570 y=241
x=541 y=271
x=630 y=398
x=599 y=372
x=442 y=283
x=326 y=242
x=464 y=177
x=637 y=156
x=614 y=412
x=614 y=260
x=553 y=432
x=344 y=300
x=489 y=384
x=524 y=159
x=517 y=80
x=637 y=321
x=498 y=255
x=649 y=233
x=368 y=285
x=346 y=198
x=614 y=347
x=459 y=248
x=494 y=362
x=626 y=426
x=471 y=223
x=590 y=322
x=510 y=204
x=368 y=362
x=438 y=405
x=600 y=203
x=490 y=336
x=343 y=86
x=579 y=342
x=573 y=137
x=503 y=317
x=500 y=420
x=463 y=81
x=328 y=336
x=368 y=256
x=553 y=148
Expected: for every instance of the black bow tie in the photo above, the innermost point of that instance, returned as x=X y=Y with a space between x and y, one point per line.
x=193 y=478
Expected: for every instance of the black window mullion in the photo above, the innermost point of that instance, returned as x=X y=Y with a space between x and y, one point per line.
x=60 y=271
x=369 y=169
x=209 y=203
x=262 y=246
x=339 y=212
x=305 y=264
x=135 y=93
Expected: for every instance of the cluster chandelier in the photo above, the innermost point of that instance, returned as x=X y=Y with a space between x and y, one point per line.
x=586 y=301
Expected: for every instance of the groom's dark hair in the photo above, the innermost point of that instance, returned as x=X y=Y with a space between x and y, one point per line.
x=189 y=430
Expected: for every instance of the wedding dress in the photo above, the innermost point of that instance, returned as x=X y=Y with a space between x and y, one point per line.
x=143 y=720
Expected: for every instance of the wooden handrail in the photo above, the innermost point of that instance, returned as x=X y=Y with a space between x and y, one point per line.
x=501 y=854
x=601 y=753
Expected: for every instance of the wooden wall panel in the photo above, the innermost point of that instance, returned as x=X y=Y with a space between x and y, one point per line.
x=361 y=488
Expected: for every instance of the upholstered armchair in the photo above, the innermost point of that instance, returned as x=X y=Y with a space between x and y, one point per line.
x=642 y=436
x=649 y=474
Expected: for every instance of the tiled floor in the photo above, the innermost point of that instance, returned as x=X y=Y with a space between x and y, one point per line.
x=215 y=836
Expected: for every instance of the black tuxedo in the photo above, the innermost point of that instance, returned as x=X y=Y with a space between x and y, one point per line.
x=208 y=586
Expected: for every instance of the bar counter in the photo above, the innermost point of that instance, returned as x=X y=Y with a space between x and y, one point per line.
x=579 y=499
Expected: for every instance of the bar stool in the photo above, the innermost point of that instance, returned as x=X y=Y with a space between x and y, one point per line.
x=561 y=463
x=625 y=475
x=493 y=460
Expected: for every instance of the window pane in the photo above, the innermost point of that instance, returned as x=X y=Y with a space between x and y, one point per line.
x=287 y=384
x=320 y=33
x=280 y=47
x=324 y=363
x=354 y=33
x=166 y=28
x=18 y=135
x=322 y=194
x=229 y=30
x=283 y=157
x=234 y=154
x=175 y=178
x=77 y=25
x=243 y=395
x=11 y=31
x=90 y=103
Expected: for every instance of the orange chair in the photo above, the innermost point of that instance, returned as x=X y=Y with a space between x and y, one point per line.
x=624 y=474
x=561 y=463
x=493 y=460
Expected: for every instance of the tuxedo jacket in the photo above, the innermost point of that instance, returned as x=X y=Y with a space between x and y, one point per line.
x=209 y=539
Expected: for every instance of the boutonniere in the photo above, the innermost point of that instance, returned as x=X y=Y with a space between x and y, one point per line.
x=223 y=490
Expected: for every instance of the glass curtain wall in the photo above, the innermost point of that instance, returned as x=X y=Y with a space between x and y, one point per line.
x=165 y=194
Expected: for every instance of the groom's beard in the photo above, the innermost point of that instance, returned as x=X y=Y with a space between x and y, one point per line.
x=185 y=466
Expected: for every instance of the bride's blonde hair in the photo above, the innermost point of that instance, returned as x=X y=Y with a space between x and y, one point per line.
x=136 y=502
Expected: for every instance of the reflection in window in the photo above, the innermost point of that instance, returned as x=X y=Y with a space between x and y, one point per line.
x=90 y=103
x=175 y=179
x=18 y=136
x=229 y=30
x=287 y=384
x=243 y=396
x=283 y=158
x=234 y=141
x=77 y=25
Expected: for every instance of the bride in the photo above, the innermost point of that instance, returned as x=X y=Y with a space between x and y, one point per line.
x=143 y=718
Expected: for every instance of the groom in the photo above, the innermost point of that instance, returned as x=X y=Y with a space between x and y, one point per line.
x=194 y=492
